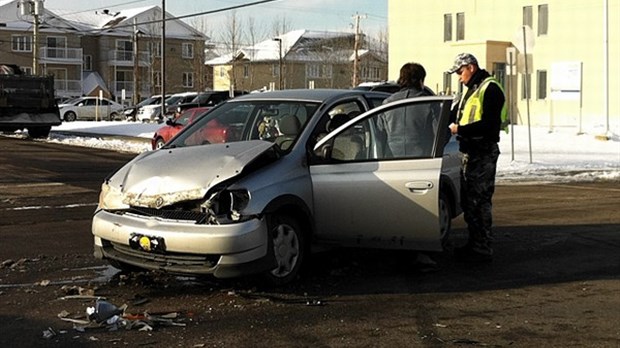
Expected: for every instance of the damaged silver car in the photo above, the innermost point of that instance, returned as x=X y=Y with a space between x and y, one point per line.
x=251 y=185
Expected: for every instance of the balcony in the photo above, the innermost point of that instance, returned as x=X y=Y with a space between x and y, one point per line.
x=60 y=55
x=68 y=87
x=125 y=58
x=145 y=89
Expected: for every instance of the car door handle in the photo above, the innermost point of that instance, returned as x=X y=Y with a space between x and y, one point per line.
x=419 y=186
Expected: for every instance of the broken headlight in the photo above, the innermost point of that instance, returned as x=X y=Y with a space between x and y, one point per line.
x=111 y=198
x=225 y=206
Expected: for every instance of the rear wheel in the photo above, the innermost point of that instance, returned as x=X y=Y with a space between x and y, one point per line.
x=113 y=116
x=70 y=116
x=289 y=248
x=39 y=132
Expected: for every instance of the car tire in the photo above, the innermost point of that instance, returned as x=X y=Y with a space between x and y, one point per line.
x=445 y=217
x=113 y=116
x=70 y=116
x=159 y=143
x=289 y=248
x=39 y=132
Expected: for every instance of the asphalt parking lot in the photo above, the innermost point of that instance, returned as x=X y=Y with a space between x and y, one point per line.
x=554 y=282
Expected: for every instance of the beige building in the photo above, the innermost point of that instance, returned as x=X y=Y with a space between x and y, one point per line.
x=573 y=49
x=298 y=59
x=92 y=51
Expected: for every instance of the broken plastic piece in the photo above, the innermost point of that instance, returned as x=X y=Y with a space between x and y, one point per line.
x=102 y=311
x=49 y=333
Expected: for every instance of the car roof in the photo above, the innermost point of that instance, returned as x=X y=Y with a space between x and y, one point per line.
x=311 y=95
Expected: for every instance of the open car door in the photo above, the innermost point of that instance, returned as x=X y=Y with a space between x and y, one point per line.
x=376 y=178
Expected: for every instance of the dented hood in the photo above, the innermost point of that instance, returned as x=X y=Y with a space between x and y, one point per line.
x=166 y=176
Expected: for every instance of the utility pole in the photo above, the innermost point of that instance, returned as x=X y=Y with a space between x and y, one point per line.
x=163 y=59
x=33 y=8
x=356 y=48
x=136 y=64
x=279 y=40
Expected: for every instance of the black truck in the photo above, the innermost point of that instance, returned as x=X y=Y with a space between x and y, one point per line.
x=27 y=102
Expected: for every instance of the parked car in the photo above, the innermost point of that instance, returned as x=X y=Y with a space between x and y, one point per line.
x=90 y=108
x=297 y=167
x=209 y=98
x=130 y=112
x=152 y=113
x=174 y=126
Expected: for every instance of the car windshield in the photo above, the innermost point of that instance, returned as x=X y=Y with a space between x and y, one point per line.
x=279 y=122
x=173 y=100
x=148 y=101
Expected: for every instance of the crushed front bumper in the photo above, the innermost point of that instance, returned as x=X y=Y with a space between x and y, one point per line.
x=229 y=250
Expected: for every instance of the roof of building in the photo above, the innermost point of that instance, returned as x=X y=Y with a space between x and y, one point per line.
x=296 y=45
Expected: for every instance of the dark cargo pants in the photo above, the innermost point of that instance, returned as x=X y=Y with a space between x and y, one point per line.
x=477 y=188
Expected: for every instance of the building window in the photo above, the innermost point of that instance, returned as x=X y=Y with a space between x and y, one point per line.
x=21 y=43
x=541 y=87
x=56 y=47
x=275 y=69
x=526 y=86
x=154 y=48
x=543 y=19
x=88 y=62
x=313 y=70
x=447 y=27
x=222 y=72
x=246 y=71
x=326 y=71
x=124 y=50
x=188 y=79
x=447 y=83
x=460 y=26
x=157 y=78
x=26 y=69
x=527 y=16
x=188 y=50
x=371 y=73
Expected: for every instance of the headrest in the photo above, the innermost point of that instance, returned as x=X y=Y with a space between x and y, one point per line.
x=336 y=121
x=289 y=125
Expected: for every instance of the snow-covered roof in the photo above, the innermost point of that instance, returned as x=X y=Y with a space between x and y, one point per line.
x=122 y=21
x=296 y=45
x=99 y=21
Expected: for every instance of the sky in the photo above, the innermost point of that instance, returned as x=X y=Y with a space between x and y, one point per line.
x=558 y=155
x=327 y=15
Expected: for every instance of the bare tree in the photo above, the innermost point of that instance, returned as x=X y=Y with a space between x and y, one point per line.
x=254 y=34
x=281 y=26
x=231 y=38
x=201 y=24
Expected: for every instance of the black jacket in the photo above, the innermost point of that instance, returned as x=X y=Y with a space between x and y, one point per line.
x=487 y=129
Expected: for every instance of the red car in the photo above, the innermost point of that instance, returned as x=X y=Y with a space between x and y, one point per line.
x=172 y=127
x=214 y=132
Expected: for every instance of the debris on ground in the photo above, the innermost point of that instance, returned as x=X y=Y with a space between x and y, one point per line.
x=111 y=317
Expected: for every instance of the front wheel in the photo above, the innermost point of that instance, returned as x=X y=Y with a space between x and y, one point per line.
x=289 y=248
x=159 y=143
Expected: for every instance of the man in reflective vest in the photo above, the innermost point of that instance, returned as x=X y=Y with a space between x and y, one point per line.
x=477 y=120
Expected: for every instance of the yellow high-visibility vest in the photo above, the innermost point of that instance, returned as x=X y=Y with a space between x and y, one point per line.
x=472 y=112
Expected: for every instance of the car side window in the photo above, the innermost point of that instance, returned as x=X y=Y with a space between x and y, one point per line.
x=401 y=132
x=408 y=131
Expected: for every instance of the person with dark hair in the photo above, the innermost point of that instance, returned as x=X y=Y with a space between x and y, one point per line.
x=409 y=131
x=477 y=122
